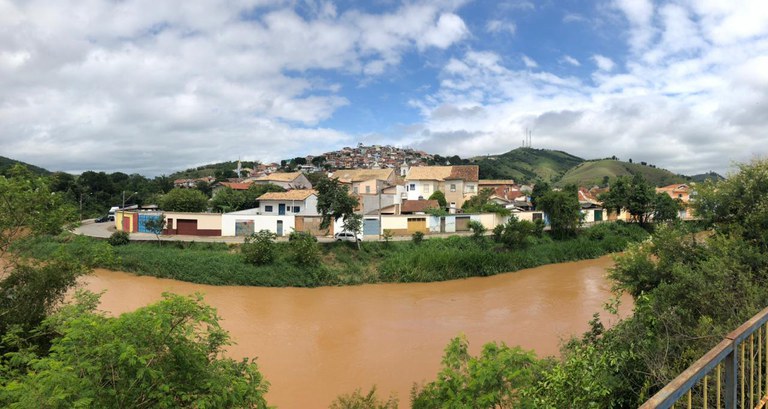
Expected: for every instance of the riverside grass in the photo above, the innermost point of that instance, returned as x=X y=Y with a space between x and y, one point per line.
x=435 y=259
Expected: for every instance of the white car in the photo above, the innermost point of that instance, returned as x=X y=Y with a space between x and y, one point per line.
x=347 y=236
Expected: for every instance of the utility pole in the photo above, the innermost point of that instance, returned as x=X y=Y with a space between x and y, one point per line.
x=124 y=199
x=81 y=205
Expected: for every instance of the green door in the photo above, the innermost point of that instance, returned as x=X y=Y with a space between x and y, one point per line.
x=598 y=215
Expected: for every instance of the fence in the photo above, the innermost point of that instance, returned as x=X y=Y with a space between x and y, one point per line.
x=733 y=374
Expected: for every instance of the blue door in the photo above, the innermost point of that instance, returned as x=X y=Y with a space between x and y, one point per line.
x=281 y=209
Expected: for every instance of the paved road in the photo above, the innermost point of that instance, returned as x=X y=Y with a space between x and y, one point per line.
x=104 y=230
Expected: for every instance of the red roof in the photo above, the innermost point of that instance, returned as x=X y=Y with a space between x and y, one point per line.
x=413 y=206
x=236 y=186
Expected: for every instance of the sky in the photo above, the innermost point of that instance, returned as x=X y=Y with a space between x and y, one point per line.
x=151 y=87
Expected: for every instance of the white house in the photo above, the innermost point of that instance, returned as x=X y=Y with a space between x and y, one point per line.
x=293 y=202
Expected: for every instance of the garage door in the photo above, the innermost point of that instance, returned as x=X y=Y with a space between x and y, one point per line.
x=417 y=224
x=186 y=227
x=371 y=227
x=462 y=224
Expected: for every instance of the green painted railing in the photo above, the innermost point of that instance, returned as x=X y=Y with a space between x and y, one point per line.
x=733 y=374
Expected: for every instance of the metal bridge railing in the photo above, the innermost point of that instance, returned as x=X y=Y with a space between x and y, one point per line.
x=733 y=374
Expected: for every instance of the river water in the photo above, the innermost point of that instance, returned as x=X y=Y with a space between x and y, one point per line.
x=314 y=344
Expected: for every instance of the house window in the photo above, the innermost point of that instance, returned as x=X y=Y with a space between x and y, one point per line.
x=470 y=188
x=426 y=188
x=453 y=205
x=354 y=189
x=413 y=186
x=268 y=209
x=296 y=209
x=367 y=189
x=453 y=187
x=680 y=196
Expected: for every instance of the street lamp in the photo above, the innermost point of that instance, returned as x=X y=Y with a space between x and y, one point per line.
x=126 y=198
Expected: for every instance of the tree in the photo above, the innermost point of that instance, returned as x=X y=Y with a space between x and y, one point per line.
x=228 y=200
x=168 y=354
x=353 y=223
x=481 y=203
x=184 y=200
x=494 y=379
x=440 y=197
x=334 y=202
x=155 y=225
x=539 y=190
x=563 y=210
x=27 y=206
x=634 y=195
x=665 y=208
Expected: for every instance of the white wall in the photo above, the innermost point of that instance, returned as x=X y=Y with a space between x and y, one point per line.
x=308 y=206
x=260 y=222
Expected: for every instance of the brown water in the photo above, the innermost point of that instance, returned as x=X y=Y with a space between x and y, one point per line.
x=314 y=344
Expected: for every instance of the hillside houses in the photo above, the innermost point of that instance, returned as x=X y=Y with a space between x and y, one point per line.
x=458 y=183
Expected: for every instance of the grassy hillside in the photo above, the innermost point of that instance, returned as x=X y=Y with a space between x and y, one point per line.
x=7 y=163
x=209 y=170
x=594 y=172
x=700 y=178
x=526 y=165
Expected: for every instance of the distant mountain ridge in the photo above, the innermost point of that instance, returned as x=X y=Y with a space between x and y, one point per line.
x=526 y=165
x=8 y=163
x=595 y=172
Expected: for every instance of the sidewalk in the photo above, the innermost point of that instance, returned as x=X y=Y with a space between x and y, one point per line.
x=104 y=230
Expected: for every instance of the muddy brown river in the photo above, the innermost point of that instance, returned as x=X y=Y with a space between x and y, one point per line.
x=314 y=344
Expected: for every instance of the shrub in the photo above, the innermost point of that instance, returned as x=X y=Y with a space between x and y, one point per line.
x=387 y=236
x=477 y=229
x=119 y=238
x=417 y=237
x=304 y=249
x=259 y=248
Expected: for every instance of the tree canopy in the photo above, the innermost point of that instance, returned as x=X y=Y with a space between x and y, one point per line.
x=184 y=200
x=334 y=201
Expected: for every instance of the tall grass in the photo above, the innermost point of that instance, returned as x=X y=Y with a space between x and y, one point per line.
x=435 y=259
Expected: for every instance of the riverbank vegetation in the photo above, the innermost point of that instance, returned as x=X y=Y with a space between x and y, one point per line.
x=281 y=264
x=689 y=291
x=57 y=355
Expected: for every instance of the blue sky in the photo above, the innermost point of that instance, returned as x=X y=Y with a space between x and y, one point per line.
x=148 y=87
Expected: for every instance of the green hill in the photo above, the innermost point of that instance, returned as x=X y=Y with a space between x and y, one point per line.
x=526 y=165
x=211 y=170
x=700 y=178
x=7 y=163
x=591 y=173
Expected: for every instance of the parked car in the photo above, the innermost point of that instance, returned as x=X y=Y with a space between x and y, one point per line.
x=347 y=236
x=103 y=219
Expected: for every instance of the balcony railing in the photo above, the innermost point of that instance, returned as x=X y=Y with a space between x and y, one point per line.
x=733 y=374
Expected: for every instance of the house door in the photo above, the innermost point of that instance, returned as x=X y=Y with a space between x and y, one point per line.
x=442 y=225
x=598 y=215
x=281 y=209
x=462 y=224
x=280 y=226
x=417 y=224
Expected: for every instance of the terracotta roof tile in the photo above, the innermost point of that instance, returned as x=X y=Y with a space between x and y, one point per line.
x=281 y=176
x=236 y=186
x=412 y=206
x=298 y=194
x=482 y=182
x=361 y=175
x=468 y=173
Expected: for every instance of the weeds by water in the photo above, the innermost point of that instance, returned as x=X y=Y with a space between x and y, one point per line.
x=436 y=259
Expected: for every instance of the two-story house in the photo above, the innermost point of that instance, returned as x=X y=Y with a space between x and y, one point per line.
x=458 y=183
x=365 y=181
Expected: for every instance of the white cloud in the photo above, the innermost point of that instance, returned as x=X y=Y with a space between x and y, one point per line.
x=603 y=63
x=571 y=60
x=529 y=62
x=688 y=96
x=148 y=86
x=500 y=26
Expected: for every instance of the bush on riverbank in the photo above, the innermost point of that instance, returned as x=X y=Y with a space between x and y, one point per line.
x=435 y=259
